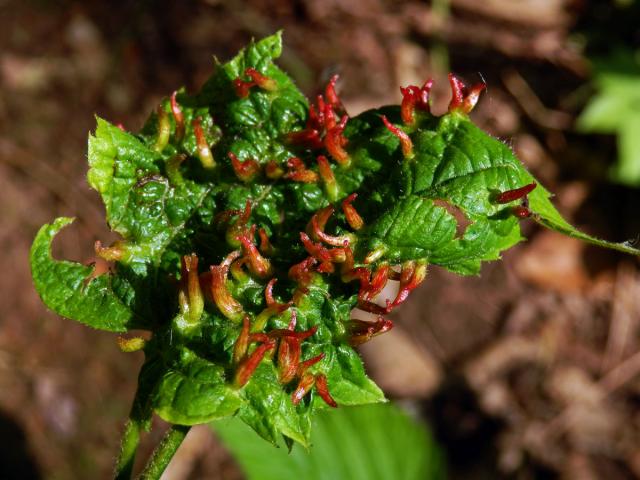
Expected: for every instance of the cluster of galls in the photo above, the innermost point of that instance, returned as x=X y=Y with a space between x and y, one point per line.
x=290 y=366
x=463 y=99
x=212 y=285
x=327 y=254
x=416 y=99
x=323 y=130
x=164 y=134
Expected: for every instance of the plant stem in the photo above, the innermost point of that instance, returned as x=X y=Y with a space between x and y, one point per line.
x=128 y=448
x=164 y=452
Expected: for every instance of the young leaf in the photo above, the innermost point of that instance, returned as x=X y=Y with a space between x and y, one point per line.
x=268 y=409
x=349 y=382
x=142 y=204
x=68 y=289
x=447 y=212
x=194 y=391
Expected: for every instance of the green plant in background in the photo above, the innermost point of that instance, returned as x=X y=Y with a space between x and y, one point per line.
x=372 y=442
x=615 y=109
x=253 y=223
x=609 y=33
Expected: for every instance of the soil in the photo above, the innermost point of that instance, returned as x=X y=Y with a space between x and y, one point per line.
x=529 y=371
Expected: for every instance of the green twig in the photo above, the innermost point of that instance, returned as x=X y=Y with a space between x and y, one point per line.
x=164 y=452
x=128 y=449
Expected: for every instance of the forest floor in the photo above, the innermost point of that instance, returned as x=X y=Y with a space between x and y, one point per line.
x=529 y=371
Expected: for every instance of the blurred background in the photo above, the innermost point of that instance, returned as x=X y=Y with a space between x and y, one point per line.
x=530 y=371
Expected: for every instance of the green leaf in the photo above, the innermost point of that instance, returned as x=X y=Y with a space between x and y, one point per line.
x=194 y=391
x=445 y=213
x=256 y=125
x=615 y=109
x=347 y=378
x=269 y=410
x=67 y=289
x=615 y=102
x=627 y=170
x=142 y=205
x=356 y=443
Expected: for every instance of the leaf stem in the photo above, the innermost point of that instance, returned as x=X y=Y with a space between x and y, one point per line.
x=164 y=452
x=128 y=449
